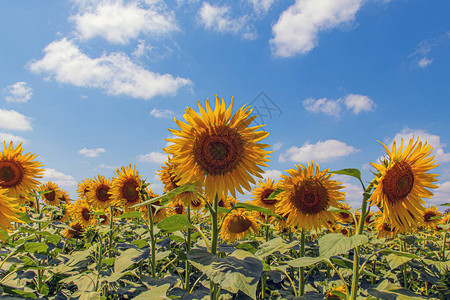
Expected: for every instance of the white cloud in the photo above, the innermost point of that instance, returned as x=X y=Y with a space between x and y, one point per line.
x=118 y=22
x=277 y=146
x=18 y=92
x=424 y=62
x=162 y=113
x=319 y=152
x=105 y=166
x=218 y=19
x=359 y=103
x=13 y=120
x=354 y=102
x=115 y=73
x=153 y=157
x=59 y=178
x=323 y=105
x=297 y=28
x=441 y=194
x=353 y=190
x=273 y=174
x=91 y=152
x=434 y=140
x=8 y=137
x=261 y=6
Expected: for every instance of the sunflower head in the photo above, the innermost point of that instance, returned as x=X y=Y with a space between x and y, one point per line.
x=51 y=193
x=65 y=198
x=8 y=211
x=237 y=225
x=18 y=172
x=335 y=293
x=104 y=219
x=218 y=149
x=307 y=194
x=384 y=229
x=431 y=217
x=99 y=193
x=401 y=183
x=76 y=231
x=82 y=213
x=83 y=188
x=126 y=186
x=261 y=193
x=344 y=216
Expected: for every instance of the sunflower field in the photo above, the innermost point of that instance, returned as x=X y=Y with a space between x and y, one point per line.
x=297 y=239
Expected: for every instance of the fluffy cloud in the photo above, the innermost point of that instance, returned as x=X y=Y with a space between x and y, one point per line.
x=18 y=92
x=353 y=191
x=115 y=73
x=273 y=174
x=297 y=28
x=434 y=140
x=153 y=157
x=277 y=146
x=261 y=6
x=118 y=22
x=58 y=177
x=13 y=120
x=218 y=19
x=424 y=62
x=441 y=194
x=91 y=152
x=162 y=113
x=319 y=152
x=8 y=137
x=355 y=103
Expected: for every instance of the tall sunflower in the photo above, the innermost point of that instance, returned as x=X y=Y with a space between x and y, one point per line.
x=402 y=182
x=217 y=149
x=18 y=172
x=237 y=225
x=99 y=193
x=52 y=193
x=8 y=212
x=307 y=195
x=82 y=213
x=262 y=192
x=126 y=187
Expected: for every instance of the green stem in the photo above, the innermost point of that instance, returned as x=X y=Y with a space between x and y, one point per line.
x=444 y=245
x=99 y=263
x=340 y=276
x=214 y=237
x=301 y=270
x=264 y=277
x=152 y=240
x=405 y=274
x=188 y=247
x=111 y=227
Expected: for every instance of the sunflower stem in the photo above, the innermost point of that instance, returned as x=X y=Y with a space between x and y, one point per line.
x=152 y=240
x=188 y=247
x=214 y=237
x=111 y=224
x=301 y=271
x=443 y=246
x=264 y=277
x=405 y=274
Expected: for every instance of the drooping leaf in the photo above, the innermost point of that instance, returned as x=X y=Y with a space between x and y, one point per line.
x=34 y=247
x=251 y=207
x=334 y=244
x=350 y=172
x=129 y=257
x=274 y=245
x=239 y=271
x=174 y=223
x=154 y=292
x=395 y=260
x=387 y=291
x=302 y=262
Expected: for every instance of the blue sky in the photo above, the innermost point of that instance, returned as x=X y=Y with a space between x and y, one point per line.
x=93 y=85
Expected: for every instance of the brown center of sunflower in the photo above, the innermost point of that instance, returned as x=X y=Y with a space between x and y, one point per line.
x=344 y=231
x=219 y=152
x=11 y=173
x=50 y=197
x=196 y=202
x=179 y=209
x=103 y=219
x=86 y=214
x=428 y=215
x=221 y=203
x=386 y=227
x=102 y=193
x=265 y=194
x=129 y=191
x=76 y=230
x=310 y=196
x=239 y=224
x=398 y=182
x=344 y=215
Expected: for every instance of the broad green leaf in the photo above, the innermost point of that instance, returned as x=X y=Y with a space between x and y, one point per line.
x=387 y=290
x=445 y=204
x=175 y=223
x=441 y=265
x=251 y=207
x=154 y=293
x=350 y=172
x=109 y=261
x=171 y=194
x=114 y=277
x=334 y=244
x=274 y=245
x=25 y=292
x=84 y=281
x=90 y=296
x=52 y=238
x=304 y=261
x=140 y=243
x=239 y=271
x=78 y=256
x=129 y=257
x=130 y=215
x=33 y=247
x=396 y=260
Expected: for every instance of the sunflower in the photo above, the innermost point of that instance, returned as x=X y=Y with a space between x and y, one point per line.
x=431 y=217
x=237 y=225
x=446 y=218
x=332 y=295
x=52 y=193
x=383 y=228
x=126 y=187
x=159 y=212
x=345 y=217
x=81 y=212
x=18 y=172
x=104 y=219
x=197 y=203
x=64 y=214
x=262 y=192
x=99 y=193
x=8 y=212
x=177 y=209
x=65 y=198
x=218 y=149
x=307 y=195
x=402 y=182
x=76 y=231
x=83 y=188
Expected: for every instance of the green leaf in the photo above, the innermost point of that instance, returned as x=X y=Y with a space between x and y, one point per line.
x=78 y=256
x=239 y=271
x=174 y=223
x=395 y=260
x=128 y=258
x=52 y=238
x=274 y=245
x=109 y=261
x=154 y=292
x=274 y=194
x=334 y=244
x=84 y=281
x=251 y=207
x=445 y=204
x=171 y=194
x=130 y=215
x=304 y=261
x=387 y=290
x=140 y=243
x=33 y=247
x=350 y=172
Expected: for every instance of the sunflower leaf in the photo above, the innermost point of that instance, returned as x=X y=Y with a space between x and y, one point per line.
x=174 y=223
x=274 y=245
x=304 y=261
x=251 y=207
x=181 y=189
x=334 y=244
x=350 y=172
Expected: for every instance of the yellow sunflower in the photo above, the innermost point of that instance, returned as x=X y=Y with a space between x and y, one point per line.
x=330 y=293
x=218 y=149
x=99 y=193
x=53 y=195
x=344 y=217
x=307 y=195
x=431 y=217
x=383 y=228
x=8 y=211
x=65 y=198
x=446 y=218
x=261 y=193
x=81 y=213
x=402 y=182
x=237 y=225
x=64 y=214
x=83 y=188
x=76 y=231
x=159 y=213
x=104 y=219
x=177 y=209
x=18 y=172
x=126 y=187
